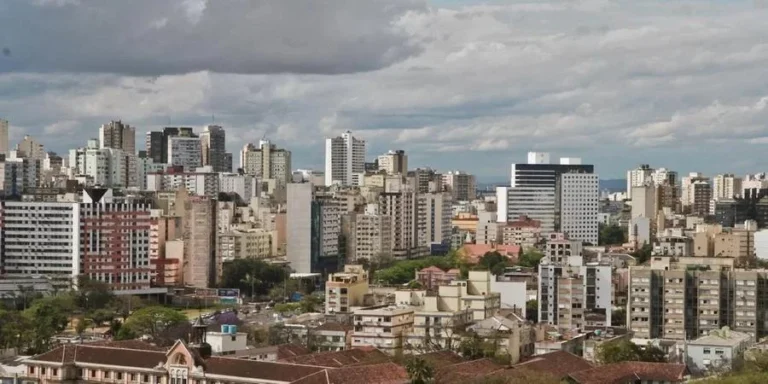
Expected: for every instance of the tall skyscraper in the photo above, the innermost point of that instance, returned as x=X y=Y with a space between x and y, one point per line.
x=213 y=143
x=157 y=142
x=198 y=230
x=3 y=137
x=579 y=193
x=537 y=190
x=344 y=159
x=118 y=135
x=393 y=162
x=29 y=148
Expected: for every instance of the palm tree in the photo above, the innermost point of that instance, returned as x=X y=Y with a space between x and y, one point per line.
x=252 y=280
x=419 y=371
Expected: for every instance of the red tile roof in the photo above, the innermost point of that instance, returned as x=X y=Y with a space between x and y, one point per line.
x=258 y=369
x=341 y=358
x=333 y=326
x=630 y=371
x=524 y=221
x=441 y=359
x=466 y=371
x=432 y=268
x=558 y=363
x=128 y=344
x=71 y=353
x=285 y=351
x=473 y=252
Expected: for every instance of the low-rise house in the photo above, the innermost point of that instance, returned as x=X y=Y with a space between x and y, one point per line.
x=433 y=277
x=511 y=335
x=719 y=351
x=472 y=253
x=382 y=327
x=548 y=339
x=331 y=336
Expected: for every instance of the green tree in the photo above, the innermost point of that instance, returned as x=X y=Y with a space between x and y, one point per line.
x=14 y=329
x=263 y=275
x=611 y=235
x=310 y=303
x=81 y=325
x=47 y=317
x=404 y=271
x=419 y=371
x=619 y=317
x=101 y=316
x=151 y=321
x=92 y=294
x=252 y=281
x=532 y=310
x=530 y=258
x=125 y=305
x=625 y=350
x=472 y=347
x=643 y=254
x=490 y=260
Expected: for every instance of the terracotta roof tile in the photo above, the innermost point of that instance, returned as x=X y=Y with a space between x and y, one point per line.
x=340 y=358
x=473 y=252
x=558 y=363
x=466 y=371
x=631 y=371
x=333 y=326
x=387 y=373
x=285 y=351
x=258 y=369
x=85 y=353
x=432 y=269
x=128 y=344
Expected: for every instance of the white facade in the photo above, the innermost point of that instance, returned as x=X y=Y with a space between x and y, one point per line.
x=146 y=166
x=227 y=341
x=245 y=186
x=344 y=157
x=644 y=201
x=196 y=183
x=299 y=226
x=579 y=195
x=40 y=238
x=185 y=152
x=726 y=186
x=107 y=167
x=687 y=195
x=638 y=177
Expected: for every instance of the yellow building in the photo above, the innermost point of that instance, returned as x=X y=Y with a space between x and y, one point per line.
x=345 y=290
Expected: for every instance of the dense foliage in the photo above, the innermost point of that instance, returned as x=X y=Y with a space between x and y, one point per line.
x=404 y=271
x=248 y=274
x=611 y=235
x=625 y=350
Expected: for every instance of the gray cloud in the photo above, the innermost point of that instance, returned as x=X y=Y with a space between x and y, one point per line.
x=159 y=37
x=616 y=83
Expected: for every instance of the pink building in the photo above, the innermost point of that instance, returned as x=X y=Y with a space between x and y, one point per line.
x=433 y=277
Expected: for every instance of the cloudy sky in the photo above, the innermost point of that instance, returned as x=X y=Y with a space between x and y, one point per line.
x=469 y=85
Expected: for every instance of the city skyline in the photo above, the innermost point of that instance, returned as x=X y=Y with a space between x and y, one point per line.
x=511 y=77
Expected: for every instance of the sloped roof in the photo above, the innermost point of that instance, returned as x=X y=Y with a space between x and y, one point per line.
x=630 y=371
x=340 y=358
x=557 y=363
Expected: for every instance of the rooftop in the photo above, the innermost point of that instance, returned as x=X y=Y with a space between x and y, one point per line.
x=723 y=337
x=631 y=371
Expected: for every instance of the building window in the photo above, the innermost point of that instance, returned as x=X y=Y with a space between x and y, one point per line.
x=119 y=375
x=54 y=372
x=93 y=373
x=707 y=351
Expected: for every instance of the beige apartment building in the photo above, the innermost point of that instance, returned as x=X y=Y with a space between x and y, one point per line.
x=715 y=241
x=373 y=236
x=198 y=232
x=524 y=232
x=345 y=290
x=689 y=297
x=382 y=327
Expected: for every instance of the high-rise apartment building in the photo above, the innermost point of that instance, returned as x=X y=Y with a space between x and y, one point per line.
x=686 y=299
x=18 y=175
x=726 y=186
x=579 y=193
x=118 y=135
x=344 y=159
x=372 y=239
x=114 y=240
x=638 y=177
x=394 y=161
x=433 y=219
x=40 y=238
x=488 y=229
x=314 y=227
x=401 y=205
x=196 y=183
x=426 y=180
x=4 y=137
x=462 y=186
x=185 y=151
x=687 y=195
x=246 y=186
x=269 y=164
x=198 y=231
x=157 y=142
x=214 y=152
x=105 y=167
x=29 y=148
x=573 y=297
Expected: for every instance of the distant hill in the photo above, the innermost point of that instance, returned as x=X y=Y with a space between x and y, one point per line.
x=615 y=185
